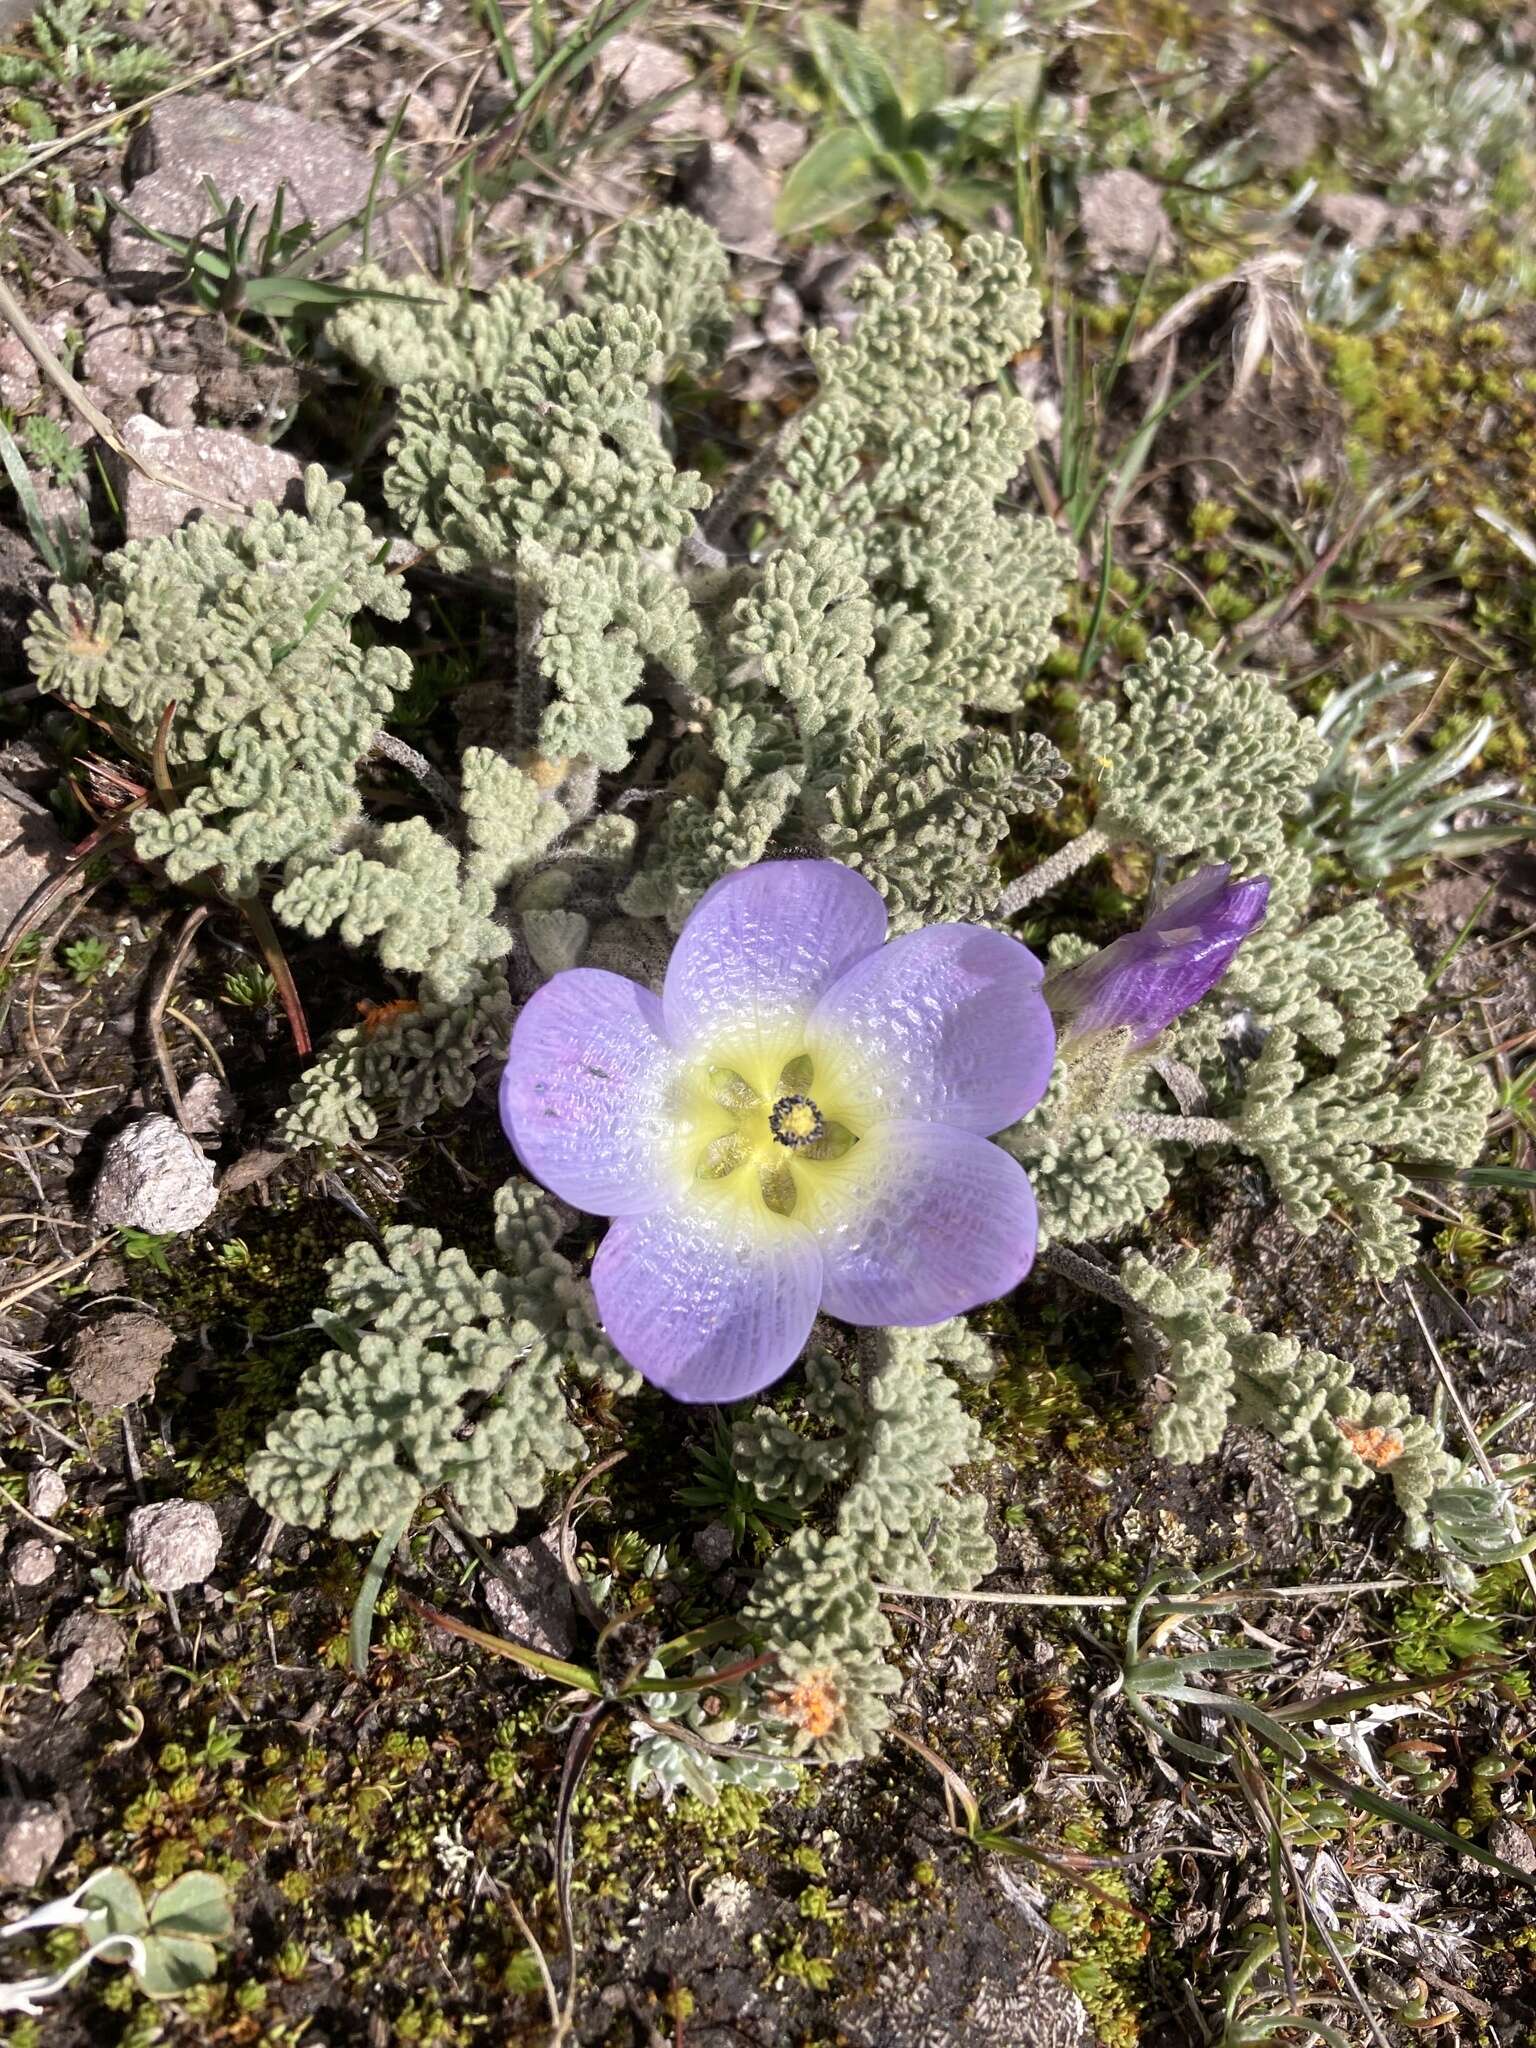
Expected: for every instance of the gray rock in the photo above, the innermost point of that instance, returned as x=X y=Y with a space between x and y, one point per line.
x=172 y=401
x=1514 y=1843
x=641 y=70
x=31 y=1837
x=1123 y=221
x=714 y=1546
x=19 y=375
x=153 y=1177
x=31 y=853
x=536 y=1606
x=32 y=1562
x=75 y=1675
x=1359 y=216
x=97 y=1634
x=248 y=148
x=88 y=1643
x=173 y=1544
x=46 y=1492
x=206 y=1106
x=782 y=316
x=118 y=1359
x=779 y=143
x=730 y=189
x=113 y=358
x=214 y=463
x=1291 y=128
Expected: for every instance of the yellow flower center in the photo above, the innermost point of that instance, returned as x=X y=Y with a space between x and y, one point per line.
x=766 y=1142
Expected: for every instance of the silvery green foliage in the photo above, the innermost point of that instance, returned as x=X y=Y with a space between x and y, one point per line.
x=426 y=331
x=890 y=1449
x=668 y=264
x=925 y=821
x=1335 y=1438
x=440 y=1377
x=417 y=1060
x=562 y=449
x=1199 y=761
x=816 y=1607
x=664 y=1765
x=248 y=633
x=602 y=621
x=427 y=907
x=1320 y=1138
x=1093 y=1177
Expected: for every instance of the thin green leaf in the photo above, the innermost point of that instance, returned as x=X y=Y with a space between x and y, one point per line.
x=835 y=176
x=361 y=1633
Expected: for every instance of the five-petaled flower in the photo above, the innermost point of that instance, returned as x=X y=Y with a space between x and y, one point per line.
x=800 y=1121
x=1138 y=984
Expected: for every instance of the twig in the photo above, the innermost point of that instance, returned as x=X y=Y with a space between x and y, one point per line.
x=1231 y=1596
x=160 y=995
x=254 y=912
x=56 y=1535
x=1050 y=874
x=9 y=1400
x=51 y=1273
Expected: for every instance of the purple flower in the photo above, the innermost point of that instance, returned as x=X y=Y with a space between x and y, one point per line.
x=1143 y=981
x=798 y=1122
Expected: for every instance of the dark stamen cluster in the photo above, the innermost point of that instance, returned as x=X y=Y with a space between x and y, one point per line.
x=796 y=1121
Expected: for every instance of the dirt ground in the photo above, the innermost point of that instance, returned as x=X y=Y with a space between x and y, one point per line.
x=388 y=1841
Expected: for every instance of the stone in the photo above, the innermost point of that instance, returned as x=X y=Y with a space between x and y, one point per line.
x=46 y=1492
x=214 y=462
x=536 y=1607
x=783 y=317
x=32 y=1562
x=1514 y=1844
x=206 y=1106
x=714 y=1546
x=1123 y=221
x=730 y=189
x=31 y=853
x=118 y=1360
x=1360 y=217
x=173 y=1544
x=779 y=143
x=248 y=148
x=113 y=358
x=172 y=401
x=89 y=1643
x=31 y=1839
x=640 y=71
x=20 y=378
x=153 y=1177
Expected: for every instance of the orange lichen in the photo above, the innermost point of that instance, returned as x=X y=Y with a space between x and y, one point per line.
x=1377 y=1447
x=813 y=1704
x=376 y=1015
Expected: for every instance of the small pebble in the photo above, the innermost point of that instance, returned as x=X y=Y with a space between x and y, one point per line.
x=173 y=1544
x=32 y=1561
x=46 y=1492
x=31 y=1836
x=153 y=1177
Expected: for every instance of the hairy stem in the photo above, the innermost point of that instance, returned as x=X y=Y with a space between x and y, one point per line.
x=528 y=682
x=1179 y=1130
x=1090 y=1276
x=1050 y=874
x=432 y=780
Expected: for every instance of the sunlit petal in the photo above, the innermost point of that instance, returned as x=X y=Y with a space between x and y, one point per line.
x=703 y=1303
x=588 y=1096
x=946 y=1024
x=920 y=1222
x=759 y=949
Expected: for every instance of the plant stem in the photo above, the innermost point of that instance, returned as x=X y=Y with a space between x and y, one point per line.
x=1179 y=1130
x=1050 y=874
x=432 y=780
x=1090 y=1276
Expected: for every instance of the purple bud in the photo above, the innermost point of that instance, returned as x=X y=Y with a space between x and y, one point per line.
x=1143 y=981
